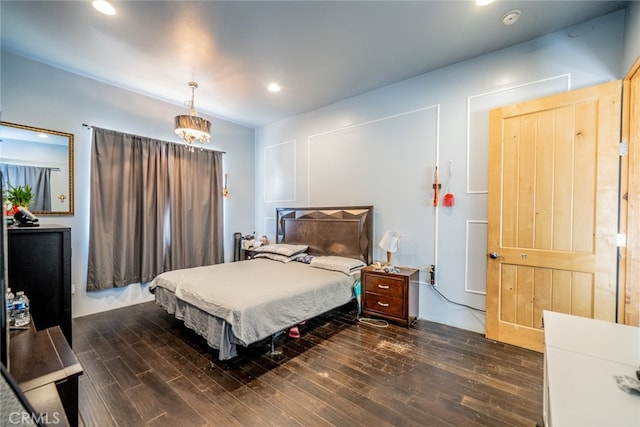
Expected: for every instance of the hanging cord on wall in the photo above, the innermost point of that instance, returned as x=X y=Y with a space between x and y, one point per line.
x=436 y=290
x=431 y=270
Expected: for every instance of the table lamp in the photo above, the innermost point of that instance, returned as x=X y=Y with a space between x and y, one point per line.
x=389 y=243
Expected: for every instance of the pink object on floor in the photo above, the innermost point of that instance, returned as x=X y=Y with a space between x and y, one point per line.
x=294 y=332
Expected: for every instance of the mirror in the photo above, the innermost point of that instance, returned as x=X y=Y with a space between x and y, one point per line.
x=41 y=159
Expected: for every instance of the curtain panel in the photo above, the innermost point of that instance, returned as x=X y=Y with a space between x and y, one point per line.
x=36 y=177
x=195 y=200
x=154 y=206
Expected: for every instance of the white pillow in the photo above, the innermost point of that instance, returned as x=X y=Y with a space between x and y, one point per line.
x=277 y=257
x=282 y=249
x=337 y=263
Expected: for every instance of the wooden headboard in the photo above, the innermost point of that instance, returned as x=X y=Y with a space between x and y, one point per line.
x=345 y=231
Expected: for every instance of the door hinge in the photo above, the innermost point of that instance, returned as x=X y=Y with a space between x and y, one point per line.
x=623 y=149
x=621 y=240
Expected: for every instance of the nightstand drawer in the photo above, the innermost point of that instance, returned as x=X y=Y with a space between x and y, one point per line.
x=384 y=304
x=385 y=285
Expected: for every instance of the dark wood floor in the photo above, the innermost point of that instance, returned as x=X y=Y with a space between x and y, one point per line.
x=142 y=367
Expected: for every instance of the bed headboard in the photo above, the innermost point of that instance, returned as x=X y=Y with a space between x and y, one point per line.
x=345 y=231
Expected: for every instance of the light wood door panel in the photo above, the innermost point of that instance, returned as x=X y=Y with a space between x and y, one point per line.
x=553 y=211
x=630 y=199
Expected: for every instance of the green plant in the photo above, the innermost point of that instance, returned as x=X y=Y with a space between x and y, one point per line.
x=19 y=195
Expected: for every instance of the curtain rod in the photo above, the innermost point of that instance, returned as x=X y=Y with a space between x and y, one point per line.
x=17 y=162
x=168 y=142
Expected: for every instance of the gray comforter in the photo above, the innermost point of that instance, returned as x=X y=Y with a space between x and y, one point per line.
x=259 y=297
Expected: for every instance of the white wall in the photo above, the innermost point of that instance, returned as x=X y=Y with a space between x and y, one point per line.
x=632 y=35
x=39 y=95
x=381 y=148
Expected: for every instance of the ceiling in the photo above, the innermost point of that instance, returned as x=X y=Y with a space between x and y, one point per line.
x=320 y=52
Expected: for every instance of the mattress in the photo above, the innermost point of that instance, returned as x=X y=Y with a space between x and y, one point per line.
x=244 y=302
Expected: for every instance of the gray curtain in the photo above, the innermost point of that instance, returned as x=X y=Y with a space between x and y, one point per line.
x=195 y=194
x=36 y=177
x=128 y=209
x=155 y=206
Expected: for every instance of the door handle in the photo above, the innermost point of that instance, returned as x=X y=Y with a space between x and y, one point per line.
x=494 y=255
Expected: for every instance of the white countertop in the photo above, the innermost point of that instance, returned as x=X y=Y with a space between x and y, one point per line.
x=582 y=356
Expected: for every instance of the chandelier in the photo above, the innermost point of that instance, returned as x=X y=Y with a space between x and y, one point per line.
x=192 y=128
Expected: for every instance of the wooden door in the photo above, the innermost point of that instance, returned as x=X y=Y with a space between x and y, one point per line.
x=553 y=211
x=630 y=199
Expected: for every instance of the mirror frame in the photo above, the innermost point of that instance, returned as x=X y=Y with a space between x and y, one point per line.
x=67 y=135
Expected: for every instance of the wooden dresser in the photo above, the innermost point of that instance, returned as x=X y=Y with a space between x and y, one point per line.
x=392 y=296
x=39 y=263
x=47 y=371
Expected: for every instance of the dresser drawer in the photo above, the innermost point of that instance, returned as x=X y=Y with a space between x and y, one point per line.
x=385 y=285
x=384 y=304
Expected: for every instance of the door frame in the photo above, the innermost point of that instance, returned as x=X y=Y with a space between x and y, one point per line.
x=629 y=295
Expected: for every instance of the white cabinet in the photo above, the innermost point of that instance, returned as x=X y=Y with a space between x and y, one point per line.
x=581 y=358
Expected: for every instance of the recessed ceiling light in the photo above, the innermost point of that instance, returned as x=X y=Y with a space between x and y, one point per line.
x=484 y=2
x=103 y=6
x=511 y=17
x=274 y=87
x=43 y=135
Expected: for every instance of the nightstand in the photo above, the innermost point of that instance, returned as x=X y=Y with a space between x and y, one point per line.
x=248 y=254
x=393 y=296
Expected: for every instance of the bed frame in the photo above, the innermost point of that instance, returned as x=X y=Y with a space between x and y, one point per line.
x=339 y=231
x=343 y=231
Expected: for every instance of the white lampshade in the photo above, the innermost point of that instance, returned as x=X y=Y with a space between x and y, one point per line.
x=389 y=243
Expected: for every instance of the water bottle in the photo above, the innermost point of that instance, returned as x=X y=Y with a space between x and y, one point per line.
x=10 y=313
x=21 y=309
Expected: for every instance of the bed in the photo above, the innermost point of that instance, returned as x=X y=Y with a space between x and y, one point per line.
x=240 y=303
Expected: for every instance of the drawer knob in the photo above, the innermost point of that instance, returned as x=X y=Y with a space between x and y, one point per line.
x=383 y=286
x=383 y=304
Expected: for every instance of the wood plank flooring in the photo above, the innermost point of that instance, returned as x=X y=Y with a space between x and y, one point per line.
x=143 y=368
